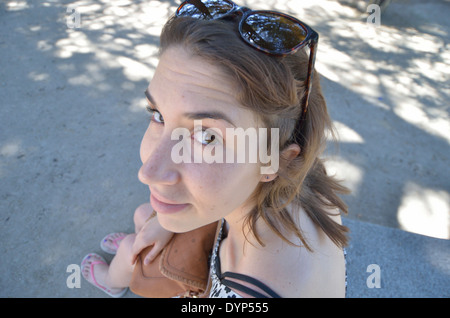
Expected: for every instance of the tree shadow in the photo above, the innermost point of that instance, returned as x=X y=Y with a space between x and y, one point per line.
x=73 y=115
x=389 y=85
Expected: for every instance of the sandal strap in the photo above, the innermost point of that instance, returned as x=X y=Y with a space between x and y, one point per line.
x=108 y=238
x=93 y=277
x=99 y=261
x=116 y=239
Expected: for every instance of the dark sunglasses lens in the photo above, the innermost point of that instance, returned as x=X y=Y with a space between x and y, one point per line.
x=272 y=33
x=205 y=9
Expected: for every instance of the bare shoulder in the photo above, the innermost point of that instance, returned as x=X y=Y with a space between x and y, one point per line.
x=325 y=276
x=293 y=271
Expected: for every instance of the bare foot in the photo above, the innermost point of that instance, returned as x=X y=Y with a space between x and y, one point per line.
x=110 y=242
x=95 y=269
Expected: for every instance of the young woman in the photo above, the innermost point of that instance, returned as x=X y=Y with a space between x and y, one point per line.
x=225 y=68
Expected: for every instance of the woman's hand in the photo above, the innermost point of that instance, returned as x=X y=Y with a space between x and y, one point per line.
x=151 y=234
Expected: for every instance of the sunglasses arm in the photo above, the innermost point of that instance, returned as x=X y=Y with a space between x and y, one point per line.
x=309 y=76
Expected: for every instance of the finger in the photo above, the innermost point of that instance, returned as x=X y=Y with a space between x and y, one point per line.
x=156 y=249
x=135 y=251
x=134 y=259
x=149 y=258
x=137 y=247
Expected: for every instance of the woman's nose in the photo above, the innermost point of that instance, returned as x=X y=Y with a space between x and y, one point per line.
x=158 y=167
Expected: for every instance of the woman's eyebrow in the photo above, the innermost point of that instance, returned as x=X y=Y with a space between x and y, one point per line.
x=196 y=115
x=209 y=114
x=150 y=97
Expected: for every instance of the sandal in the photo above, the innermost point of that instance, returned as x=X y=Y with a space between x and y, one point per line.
x=87 y=269
x=110 y=242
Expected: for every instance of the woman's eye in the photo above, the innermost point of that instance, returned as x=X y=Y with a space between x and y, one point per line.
x=156 y=116
x=206 y=137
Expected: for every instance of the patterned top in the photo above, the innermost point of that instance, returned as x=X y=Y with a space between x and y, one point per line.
x=218 y=289
x=221 y=286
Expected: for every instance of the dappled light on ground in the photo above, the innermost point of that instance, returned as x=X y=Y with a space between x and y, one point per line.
x=425 y=211
x=386 y=87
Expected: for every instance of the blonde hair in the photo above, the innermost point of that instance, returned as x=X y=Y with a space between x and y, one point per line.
x=273 y=88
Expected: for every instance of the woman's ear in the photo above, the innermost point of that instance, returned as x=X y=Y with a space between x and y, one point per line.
x=287 y=155
x=268 y=177
x=290 y=153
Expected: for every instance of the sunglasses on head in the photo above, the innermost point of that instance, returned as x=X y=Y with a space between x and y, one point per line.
x=271 y=32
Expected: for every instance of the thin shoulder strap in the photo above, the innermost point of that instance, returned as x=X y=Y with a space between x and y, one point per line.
x=245 y=289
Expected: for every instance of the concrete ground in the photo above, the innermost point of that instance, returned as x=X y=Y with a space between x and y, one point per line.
x=72 y=116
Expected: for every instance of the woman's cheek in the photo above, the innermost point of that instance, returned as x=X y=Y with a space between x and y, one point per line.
x=224 y=187
x=208 y=183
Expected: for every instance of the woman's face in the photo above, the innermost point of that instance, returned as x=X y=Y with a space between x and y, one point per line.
x=186 y=194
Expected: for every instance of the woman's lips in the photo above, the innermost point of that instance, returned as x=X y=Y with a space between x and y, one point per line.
x=165 y=206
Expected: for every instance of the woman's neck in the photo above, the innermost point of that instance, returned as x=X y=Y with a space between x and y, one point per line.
x=236 y=226
x=239 y=232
